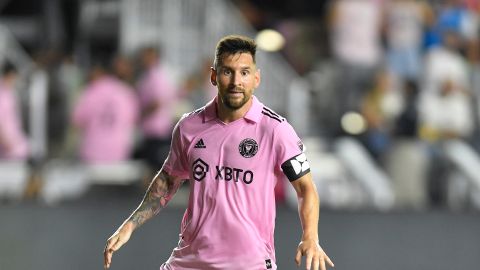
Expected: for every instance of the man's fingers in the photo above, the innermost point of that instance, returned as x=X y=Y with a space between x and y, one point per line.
x=329 y=261
x=317 y=262
x=107 y=259
x=308 y=260
x=322 y=263
x=106 y=254
x=298 y=257
x=109 y=249
x=315 y=258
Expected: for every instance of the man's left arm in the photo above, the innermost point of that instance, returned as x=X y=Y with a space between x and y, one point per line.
x=309 y=209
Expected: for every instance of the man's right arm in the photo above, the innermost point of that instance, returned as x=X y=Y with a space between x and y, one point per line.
x=158 y=194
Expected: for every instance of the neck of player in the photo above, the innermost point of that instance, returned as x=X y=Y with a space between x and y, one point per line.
x=228 y=115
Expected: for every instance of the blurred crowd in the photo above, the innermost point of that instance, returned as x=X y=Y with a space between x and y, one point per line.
x=409 y=70
x=120 y=108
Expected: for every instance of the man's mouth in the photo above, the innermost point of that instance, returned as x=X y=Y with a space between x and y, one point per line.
x=235 y=92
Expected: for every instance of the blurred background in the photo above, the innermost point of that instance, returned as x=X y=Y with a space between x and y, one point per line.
x=384 y=93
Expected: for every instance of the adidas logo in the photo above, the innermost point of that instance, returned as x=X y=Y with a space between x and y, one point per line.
x=200 y=144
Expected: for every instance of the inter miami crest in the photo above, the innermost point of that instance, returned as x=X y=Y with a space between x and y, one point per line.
x=248 y=148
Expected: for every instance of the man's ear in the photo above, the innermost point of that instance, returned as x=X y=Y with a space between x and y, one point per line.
x=213 y=76
x=257 y=78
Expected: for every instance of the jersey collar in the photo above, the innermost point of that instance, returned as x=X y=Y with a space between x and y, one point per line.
x=253 y=115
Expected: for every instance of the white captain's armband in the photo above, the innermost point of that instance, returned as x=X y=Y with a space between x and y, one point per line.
x=296 y=167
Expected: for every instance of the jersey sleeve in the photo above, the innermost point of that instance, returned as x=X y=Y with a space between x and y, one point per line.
x=176 y=162
x=289 y=150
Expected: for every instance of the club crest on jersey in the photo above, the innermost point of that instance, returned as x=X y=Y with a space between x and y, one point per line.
x=301 y=146
x=248 y=148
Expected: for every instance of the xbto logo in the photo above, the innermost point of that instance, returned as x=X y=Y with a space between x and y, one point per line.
x=235 y=174
x=200 y=169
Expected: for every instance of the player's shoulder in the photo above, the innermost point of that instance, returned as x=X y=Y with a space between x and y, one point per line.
x=272 y=118
x=192 y=116
x=195 y=112
x=275 y=124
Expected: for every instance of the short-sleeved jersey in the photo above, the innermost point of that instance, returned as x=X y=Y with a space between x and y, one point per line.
x=233 y=169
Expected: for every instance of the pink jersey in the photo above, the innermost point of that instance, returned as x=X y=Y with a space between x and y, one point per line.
x=155 y=87
x=106 y=113
x=13 y=142
x=233 y=169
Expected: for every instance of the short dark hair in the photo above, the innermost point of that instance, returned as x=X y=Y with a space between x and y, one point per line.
x=233 y=44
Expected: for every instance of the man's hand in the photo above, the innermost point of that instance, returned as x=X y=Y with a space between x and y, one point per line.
x=314 y=255
x=159 y=193
x=118 y=239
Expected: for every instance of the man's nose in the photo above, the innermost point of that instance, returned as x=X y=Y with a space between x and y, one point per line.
x=237 y=79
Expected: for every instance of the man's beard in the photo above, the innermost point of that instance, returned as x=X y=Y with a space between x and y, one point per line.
x=233 y=103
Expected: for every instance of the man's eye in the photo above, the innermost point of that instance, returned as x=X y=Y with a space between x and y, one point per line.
x=227 y=72
x=245 y=73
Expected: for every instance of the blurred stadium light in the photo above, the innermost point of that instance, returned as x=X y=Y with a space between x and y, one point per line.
x=270 y=40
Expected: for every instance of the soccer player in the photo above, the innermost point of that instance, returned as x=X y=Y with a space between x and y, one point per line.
x=232 y=151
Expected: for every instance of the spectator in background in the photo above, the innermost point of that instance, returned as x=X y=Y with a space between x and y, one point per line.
x=157 y=99
x=407 y=162
x=445 y=62
x=13 y=141
x=445 y=108
x=454 y=16
x=446 y=114
x=70 y=80
x=355 y=41
x=405 y=24
x=198 y=89
x=380 y=107
x=406 y=125
x=106 y=115
x=122 y=68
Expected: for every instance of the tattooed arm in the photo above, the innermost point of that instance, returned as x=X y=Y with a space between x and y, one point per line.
x=158 y=194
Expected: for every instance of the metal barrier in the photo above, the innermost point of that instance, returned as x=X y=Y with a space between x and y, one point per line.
x=11 y=50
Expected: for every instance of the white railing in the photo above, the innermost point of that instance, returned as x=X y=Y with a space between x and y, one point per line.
x=187 y=32
x=375 y=181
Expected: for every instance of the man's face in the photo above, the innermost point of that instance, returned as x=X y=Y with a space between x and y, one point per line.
x=236 y=78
